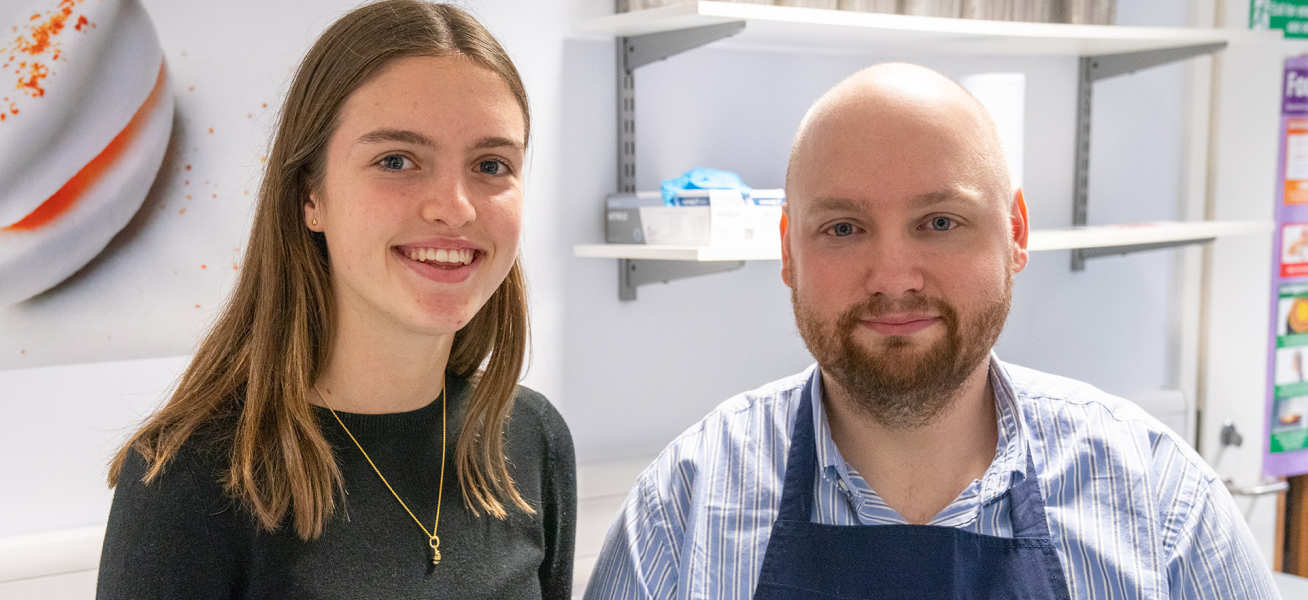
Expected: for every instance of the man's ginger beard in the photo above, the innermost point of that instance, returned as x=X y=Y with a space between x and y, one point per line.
x=897 y=384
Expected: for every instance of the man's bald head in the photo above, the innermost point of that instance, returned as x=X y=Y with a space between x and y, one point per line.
x=892 y=109
x=900 y=241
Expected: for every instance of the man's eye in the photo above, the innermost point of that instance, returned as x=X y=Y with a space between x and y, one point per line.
x=942 y=223
x=843 y=229
x=393 y=162
x=492 y=166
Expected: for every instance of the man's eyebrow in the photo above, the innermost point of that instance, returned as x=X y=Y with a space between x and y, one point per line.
x=842 y=204
x=945 y=195
x=833 y=203
x=395 y=135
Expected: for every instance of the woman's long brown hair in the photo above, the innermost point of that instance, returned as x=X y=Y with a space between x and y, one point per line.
x=256 y=366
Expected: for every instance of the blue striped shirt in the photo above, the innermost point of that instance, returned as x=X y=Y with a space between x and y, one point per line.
x=1134 y=512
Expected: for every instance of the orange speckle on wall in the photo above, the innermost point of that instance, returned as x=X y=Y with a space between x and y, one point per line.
x=236 y=267
x=264 y=105
x=215 y=195
x=188 y=196
x=181 y=212
x=197 y=306
x=263 y=158
x=210 y=130
x=190 y=89
x=36 y=39
x=187 y=182
x=31 y=81
x=204 y=266
x=249 y=115
x=245 y=192
x=188 y=167
x=23 y=351
x=81 y=22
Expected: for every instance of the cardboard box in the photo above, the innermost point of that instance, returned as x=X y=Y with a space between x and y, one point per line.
x=696 y=218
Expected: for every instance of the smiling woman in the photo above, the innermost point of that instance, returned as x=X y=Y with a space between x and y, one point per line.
x=374 y=339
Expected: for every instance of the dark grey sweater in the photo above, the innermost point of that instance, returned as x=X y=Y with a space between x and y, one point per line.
x=182 y=537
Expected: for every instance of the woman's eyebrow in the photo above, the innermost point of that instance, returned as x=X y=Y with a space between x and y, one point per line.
x=495 y=142
x=377 y=136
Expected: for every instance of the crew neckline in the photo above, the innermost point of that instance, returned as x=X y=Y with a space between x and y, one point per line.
x=418 y=419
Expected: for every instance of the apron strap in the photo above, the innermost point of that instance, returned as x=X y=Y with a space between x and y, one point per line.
x=797 y=491
x=1027 y=510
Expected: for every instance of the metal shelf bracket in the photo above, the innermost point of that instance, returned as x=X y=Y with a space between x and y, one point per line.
x=633 y=273
x=632 y=53
x=1089 y=253
x=641 y=50
x=1090 y=70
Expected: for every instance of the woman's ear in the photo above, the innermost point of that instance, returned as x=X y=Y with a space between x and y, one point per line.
x=311 y=214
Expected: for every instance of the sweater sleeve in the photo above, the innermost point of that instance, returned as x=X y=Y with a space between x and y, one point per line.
x=173 y=538
x=559 y=510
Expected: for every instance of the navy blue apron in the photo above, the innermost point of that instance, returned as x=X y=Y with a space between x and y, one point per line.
x=810 y=560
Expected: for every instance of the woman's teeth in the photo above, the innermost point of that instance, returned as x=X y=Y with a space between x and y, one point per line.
x=443 y=256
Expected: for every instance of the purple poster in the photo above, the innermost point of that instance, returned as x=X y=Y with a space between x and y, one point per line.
x=1287 y=380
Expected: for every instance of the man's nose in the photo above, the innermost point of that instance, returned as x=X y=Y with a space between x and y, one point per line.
x=892 y=266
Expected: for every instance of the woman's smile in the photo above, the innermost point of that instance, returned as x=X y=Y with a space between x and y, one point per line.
x=443 y=265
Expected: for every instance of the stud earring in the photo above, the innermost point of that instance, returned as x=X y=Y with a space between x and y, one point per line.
x=315 y=222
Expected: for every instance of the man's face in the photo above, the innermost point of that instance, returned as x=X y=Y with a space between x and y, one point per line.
x=899 y=252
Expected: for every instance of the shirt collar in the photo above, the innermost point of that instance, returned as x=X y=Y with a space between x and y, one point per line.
x=1010 y=450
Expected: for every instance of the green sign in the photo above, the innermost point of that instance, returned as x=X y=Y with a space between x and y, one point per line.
x=1289 y=16
x=1288 y=441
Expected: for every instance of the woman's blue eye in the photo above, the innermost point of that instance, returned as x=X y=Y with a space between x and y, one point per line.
x=842 y=229
x=392 y=162
x=942 y=223
x=492 y=167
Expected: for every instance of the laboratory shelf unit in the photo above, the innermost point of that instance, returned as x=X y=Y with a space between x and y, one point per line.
x=1104 y=51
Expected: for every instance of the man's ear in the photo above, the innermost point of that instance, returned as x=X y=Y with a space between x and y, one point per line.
x=1019 y=230
x=787 y=274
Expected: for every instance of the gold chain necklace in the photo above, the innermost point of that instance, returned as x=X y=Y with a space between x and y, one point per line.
x=432 y=539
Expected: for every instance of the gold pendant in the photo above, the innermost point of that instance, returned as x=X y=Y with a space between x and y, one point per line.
x=435 y=543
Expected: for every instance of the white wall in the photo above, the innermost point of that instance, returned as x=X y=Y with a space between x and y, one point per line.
x=629 y=376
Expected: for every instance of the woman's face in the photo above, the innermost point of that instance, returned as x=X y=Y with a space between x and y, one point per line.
x=421 y=201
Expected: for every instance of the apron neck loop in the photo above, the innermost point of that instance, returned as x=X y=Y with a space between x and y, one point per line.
x=801 y=460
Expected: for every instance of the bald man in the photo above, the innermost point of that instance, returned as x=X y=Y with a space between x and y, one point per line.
x=910 y=462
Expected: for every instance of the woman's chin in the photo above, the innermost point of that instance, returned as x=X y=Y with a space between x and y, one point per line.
x=441 y=322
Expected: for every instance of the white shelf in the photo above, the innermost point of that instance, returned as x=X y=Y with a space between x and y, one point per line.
x=1131 y=234
x=1097 y=236
x=851 y=31
x=690 y=253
